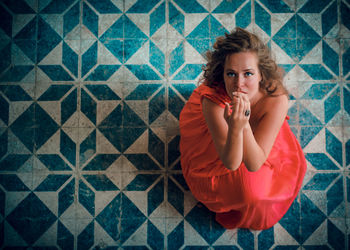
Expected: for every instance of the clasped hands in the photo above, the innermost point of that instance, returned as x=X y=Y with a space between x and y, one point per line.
x=237 y=113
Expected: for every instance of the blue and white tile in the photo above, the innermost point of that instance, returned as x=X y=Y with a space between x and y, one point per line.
x=229 y=237
x=310 y=225
x=138 y=238
x=327 y=144
x=101 y=238
x=315 y=14
x=11 y=238
x=104 y=56
x=346 y=141
x=47 y=239
x=96 y=59
x=331 y=49
x=331 y=232
x=263 y=18
x=337 y=233
x=148 y=62
x=176 y=23
x=158 y=25
x=344 y=31
x=142 y=22
x=15 y=100
x=238 y=12
x=59 y=102
x=53 y=151
x=320 y=104
x=84 y=233
x=183 y=20
x=297 y=87
x=345 y=57
x=181 y=51
x=19 y=54
x=174 y=232
x=290 y=39
x=282 y=237
x=282 y=58
x=192 y=237
x=97 y=16
x=60 y=64
x=278 y=20
x=325 y=191
x=41 y=219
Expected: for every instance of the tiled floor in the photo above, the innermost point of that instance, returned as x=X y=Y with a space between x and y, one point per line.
x=90 y=95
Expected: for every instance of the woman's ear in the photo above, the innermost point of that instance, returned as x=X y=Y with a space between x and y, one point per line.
x=261 y=79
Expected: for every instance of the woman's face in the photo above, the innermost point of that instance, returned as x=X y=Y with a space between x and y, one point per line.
x=241 y=73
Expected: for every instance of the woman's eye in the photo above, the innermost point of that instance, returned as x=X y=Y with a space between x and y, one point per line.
x=248 y=74
x=230 y=74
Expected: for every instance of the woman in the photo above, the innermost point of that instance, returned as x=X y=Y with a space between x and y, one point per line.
x=238 y=154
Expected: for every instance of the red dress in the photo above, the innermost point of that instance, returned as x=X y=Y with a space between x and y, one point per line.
x=241 y=199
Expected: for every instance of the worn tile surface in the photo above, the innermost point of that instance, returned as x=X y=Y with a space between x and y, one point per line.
x=90 y=96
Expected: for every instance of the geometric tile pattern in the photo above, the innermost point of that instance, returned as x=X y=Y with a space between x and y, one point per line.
x=90 y=96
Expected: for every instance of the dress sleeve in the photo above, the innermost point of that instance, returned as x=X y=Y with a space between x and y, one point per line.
x=217 y=96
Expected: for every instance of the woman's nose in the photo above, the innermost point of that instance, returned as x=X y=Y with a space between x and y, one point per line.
x=239 y=82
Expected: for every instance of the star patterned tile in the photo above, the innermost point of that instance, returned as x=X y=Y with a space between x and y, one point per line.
x=90 y=97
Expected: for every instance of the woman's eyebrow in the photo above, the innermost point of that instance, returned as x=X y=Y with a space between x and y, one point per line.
x=248 y=69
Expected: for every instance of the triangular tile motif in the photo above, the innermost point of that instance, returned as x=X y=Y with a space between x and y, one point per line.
x=176 y=22
x=317 y=144
x=192 y=237
x=193 y=6
x=48 y=236
x=14 y=218
x=309 y=224
x=50 y=200
x=318 y=198
x=140 y=145
x=314 y=56
x=157 y=21
x=12 y=236
x=319 y=236
x=314 y=20
x=23 y=55
x=23 y=29
x=101 y=237
x=141 y=56
x=139 y=238
x=195 y=25
x=20 y=23
x=229 y=237
x=226 y=20
x=104 y=108
x=105 y=56
x=141 y=21
x=55 y=21
x=282 y=237
x=96 y=161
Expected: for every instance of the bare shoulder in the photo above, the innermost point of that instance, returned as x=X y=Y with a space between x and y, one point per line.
x=276 y=104
x=275 y=109
x=209 y=105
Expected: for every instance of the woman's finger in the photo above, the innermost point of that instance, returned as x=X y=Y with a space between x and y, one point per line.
x=241 y=107
x=247 y=110
x=226 y=111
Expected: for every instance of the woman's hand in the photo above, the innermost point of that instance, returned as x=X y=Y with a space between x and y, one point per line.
x=237 y=116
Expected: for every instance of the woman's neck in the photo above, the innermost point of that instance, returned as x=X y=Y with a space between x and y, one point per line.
x=256 y=99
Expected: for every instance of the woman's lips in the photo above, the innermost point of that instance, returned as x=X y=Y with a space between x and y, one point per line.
x=241 y=91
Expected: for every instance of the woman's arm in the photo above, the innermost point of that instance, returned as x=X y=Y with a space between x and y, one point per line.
x=235 y=144
x=227 y=131
x=257 y=146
